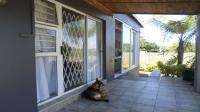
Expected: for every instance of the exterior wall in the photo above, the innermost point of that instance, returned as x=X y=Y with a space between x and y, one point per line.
x=197 y=71
x=17 y=59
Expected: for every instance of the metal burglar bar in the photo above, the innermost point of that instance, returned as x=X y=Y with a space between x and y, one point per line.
x=73 y=49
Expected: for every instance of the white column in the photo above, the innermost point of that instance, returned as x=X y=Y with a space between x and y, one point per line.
x=197 y=71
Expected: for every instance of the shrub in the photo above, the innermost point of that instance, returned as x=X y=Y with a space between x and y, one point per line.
x=188 y=74
x=171 y=70
x=142 y=68
x=191 y=63
x=125 y=66
x=151 y=67
x=172 y=61
x=179 y=69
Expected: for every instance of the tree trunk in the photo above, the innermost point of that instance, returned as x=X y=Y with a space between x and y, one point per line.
x=180 y=51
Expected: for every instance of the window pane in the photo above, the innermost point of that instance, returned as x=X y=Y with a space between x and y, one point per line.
x=46 y=74
x=45 y=12
x=126 y=48
x=93 y=55
x=73 y=49
x=45 y=40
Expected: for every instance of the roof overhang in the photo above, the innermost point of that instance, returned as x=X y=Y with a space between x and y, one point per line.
x=109 y=7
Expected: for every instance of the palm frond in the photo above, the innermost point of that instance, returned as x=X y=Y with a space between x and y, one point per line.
x=190 y=34
x=167 y=28
x=161 y=25
x=184 y=29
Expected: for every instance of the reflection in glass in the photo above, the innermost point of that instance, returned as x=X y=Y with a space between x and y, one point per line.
x=73 y=48
x=45 y=11
x=45 y=40
x=126 y=48
x=93 y=58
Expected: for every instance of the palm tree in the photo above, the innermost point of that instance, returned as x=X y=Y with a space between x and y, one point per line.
x=184 y=30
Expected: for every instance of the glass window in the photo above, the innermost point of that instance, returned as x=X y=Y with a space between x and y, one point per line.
x=45 y=12
x=46 y=75
x=93 y=48
x=45 y=44
x=45 y=40
x=126 y=48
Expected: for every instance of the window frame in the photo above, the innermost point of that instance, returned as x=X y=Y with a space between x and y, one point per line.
x=58 y=54
x=54 y=27
x=101 y=44
x=133 y=36
x=56 y=42
x=45 y=23
x=134 y=65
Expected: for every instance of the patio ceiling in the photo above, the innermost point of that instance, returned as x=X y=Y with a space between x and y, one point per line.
x=147 y=6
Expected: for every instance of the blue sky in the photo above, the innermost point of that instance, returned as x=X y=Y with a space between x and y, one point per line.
x=153 y=34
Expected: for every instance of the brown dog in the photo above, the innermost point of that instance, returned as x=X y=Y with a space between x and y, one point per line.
x=97 y=92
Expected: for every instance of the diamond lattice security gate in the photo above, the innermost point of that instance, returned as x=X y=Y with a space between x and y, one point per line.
x=73 y=49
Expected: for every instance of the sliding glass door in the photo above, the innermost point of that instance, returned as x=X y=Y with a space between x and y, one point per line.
x=93 y=49
x=126 y=47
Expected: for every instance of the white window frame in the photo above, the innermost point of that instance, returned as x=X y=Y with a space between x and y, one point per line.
x=59 y=57
x=56 y=54
x=49 y=24
x=48 y=53
x=101 y=44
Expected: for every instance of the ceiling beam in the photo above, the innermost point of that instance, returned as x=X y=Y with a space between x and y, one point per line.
x=147 y=6
x=155 y=8
x=99 y=6
x=147 y=1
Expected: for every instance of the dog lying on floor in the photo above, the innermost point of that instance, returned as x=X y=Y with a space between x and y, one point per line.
x=97 y=92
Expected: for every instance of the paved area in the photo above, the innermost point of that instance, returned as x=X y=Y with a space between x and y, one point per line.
x=153 y=94
x=155 y=73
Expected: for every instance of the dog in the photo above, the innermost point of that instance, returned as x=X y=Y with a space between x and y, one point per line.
x=97 y=92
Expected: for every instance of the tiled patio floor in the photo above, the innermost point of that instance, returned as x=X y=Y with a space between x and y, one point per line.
x=153 y=94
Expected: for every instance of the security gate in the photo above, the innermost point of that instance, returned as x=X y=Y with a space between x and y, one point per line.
x=73 y=28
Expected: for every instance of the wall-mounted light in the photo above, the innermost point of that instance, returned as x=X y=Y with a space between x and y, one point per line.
x=3 y=2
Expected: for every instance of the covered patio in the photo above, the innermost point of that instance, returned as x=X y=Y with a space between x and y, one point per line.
x=143 y=94
x=18 y=80
x=185 y=7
